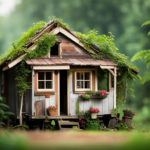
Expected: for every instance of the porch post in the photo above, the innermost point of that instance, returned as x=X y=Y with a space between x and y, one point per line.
x=32 y=91
x=115 y=85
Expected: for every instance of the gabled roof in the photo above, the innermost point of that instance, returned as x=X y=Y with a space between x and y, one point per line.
x=52 y=28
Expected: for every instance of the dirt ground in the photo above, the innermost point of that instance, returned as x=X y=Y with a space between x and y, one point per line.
x=74 y=138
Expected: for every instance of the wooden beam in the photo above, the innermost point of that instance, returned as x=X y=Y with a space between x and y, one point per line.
x=112 y=72
x=16 y=61
x=115 y=86
x=63 y=67
x=5 y=68
x=106 y=67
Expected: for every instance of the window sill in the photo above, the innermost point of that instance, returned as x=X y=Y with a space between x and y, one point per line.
x=44 y=92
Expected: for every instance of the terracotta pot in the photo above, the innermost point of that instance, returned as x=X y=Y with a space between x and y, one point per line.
x=52 y=112
x=47 y=96
x=93 y=115
x=127 y=120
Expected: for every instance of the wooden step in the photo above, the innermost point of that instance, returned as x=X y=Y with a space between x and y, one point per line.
x=69 y=124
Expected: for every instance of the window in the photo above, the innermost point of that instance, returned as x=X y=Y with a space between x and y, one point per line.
x=83 y=81
x=45 y=80
x=2 y=83
x=54 y=52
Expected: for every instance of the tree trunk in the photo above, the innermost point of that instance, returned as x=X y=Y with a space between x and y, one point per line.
x=21 y=104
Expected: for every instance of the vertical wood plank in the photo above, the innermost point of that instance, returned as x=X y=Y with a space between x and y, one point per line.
x=33 y=98
x=115 y=81
x=56 y=91
x=87 y=104
x=110 y=100
x=98 y=103
x=93 y=80
x=35 y=81
x=47 y=103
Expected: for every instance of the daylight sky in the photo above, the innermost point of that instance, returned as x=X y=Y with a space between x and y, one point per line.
x=6 y=6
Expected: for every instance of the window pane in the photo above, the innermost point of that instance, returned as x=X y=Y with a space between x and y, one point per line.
x=41 y=85
x=87 y=84
x=87 y=76
x=79 y=84
x=48 y=75
x=80 y=76
x=40 y=75
x=48 y=84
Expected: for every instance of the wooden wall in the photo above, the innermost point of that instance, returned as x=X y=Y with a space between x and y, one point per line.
x=13 y=96
x=40 y=96
x=105 y=105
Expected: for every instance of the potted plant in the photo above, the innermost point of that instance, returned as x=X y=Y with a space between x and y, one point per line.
x=52 y=110
x=93 y=112
x=85 y=96
x=128 y=115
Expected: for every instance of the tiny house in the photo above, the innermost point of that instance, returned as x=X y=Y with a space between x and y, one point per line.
x=59 y=78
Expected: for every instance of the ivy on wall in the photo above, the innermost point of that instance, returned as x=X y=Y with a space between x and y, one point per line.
x=106 y=45
x=43 y=47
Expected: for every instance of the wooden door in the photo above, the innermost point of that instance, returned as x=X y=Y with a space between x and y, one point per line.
x=40 y=108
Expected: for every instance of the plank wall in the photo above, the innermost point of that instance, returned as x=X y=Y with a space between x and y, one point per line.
x=105 y=105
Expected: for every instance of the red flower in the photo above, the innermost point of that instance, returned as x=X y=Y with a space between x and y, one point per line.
x=126 y=114
x=143 y=130
x=127 y=109
x=81 y=95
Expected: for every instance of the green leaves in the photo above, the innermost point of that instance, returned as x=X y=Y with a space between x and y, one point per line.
x=145 y=23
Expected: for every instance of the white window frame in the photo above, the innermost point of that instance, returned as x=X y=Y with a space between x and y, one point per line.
x=45 y=81
x=75 y=82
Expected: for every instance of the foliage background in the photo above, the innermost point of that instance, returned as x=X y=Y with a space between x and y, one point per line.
x=122 y=18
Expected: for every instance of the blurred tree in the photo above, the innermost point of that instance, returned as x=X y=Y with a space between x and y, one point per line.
x=144 y=54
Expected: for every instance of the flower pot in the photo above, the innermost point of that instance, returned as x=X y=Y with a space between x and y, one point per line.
x=47 y=96
x=127 y=120
x=51 y=112
x=93 y=115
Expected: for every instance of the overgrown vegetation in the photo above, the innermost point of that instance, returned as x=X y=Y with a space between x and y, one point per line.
x=4 y=113
x=107 y=49
x=19 y=45
x=144 y=54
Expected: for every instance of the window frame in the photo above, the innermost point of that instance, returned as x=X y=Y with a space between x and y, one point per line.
x=53 y=79
x=54 y=56
x=75 y=82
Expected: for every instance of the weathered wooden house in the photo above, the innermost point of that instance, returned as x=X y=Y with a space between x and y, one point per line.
x=64 y=73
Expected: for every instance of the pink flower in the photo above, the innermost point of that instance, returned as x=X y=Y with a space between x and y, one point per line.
x=104 y=91
x=81 y=95
x=134 y=112
x=105 y=94
x=127 y=109
x=100 y=92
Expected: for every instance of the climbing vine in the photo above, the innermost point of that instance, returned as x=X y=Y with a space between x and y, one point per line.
x=106 y=49
x=43 y=47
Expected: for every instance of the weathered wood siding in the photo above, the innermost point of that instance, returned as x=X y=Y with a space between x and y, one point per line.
x=28 y=102
x=104 y=105
x=13 y=96
x=48 y=101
